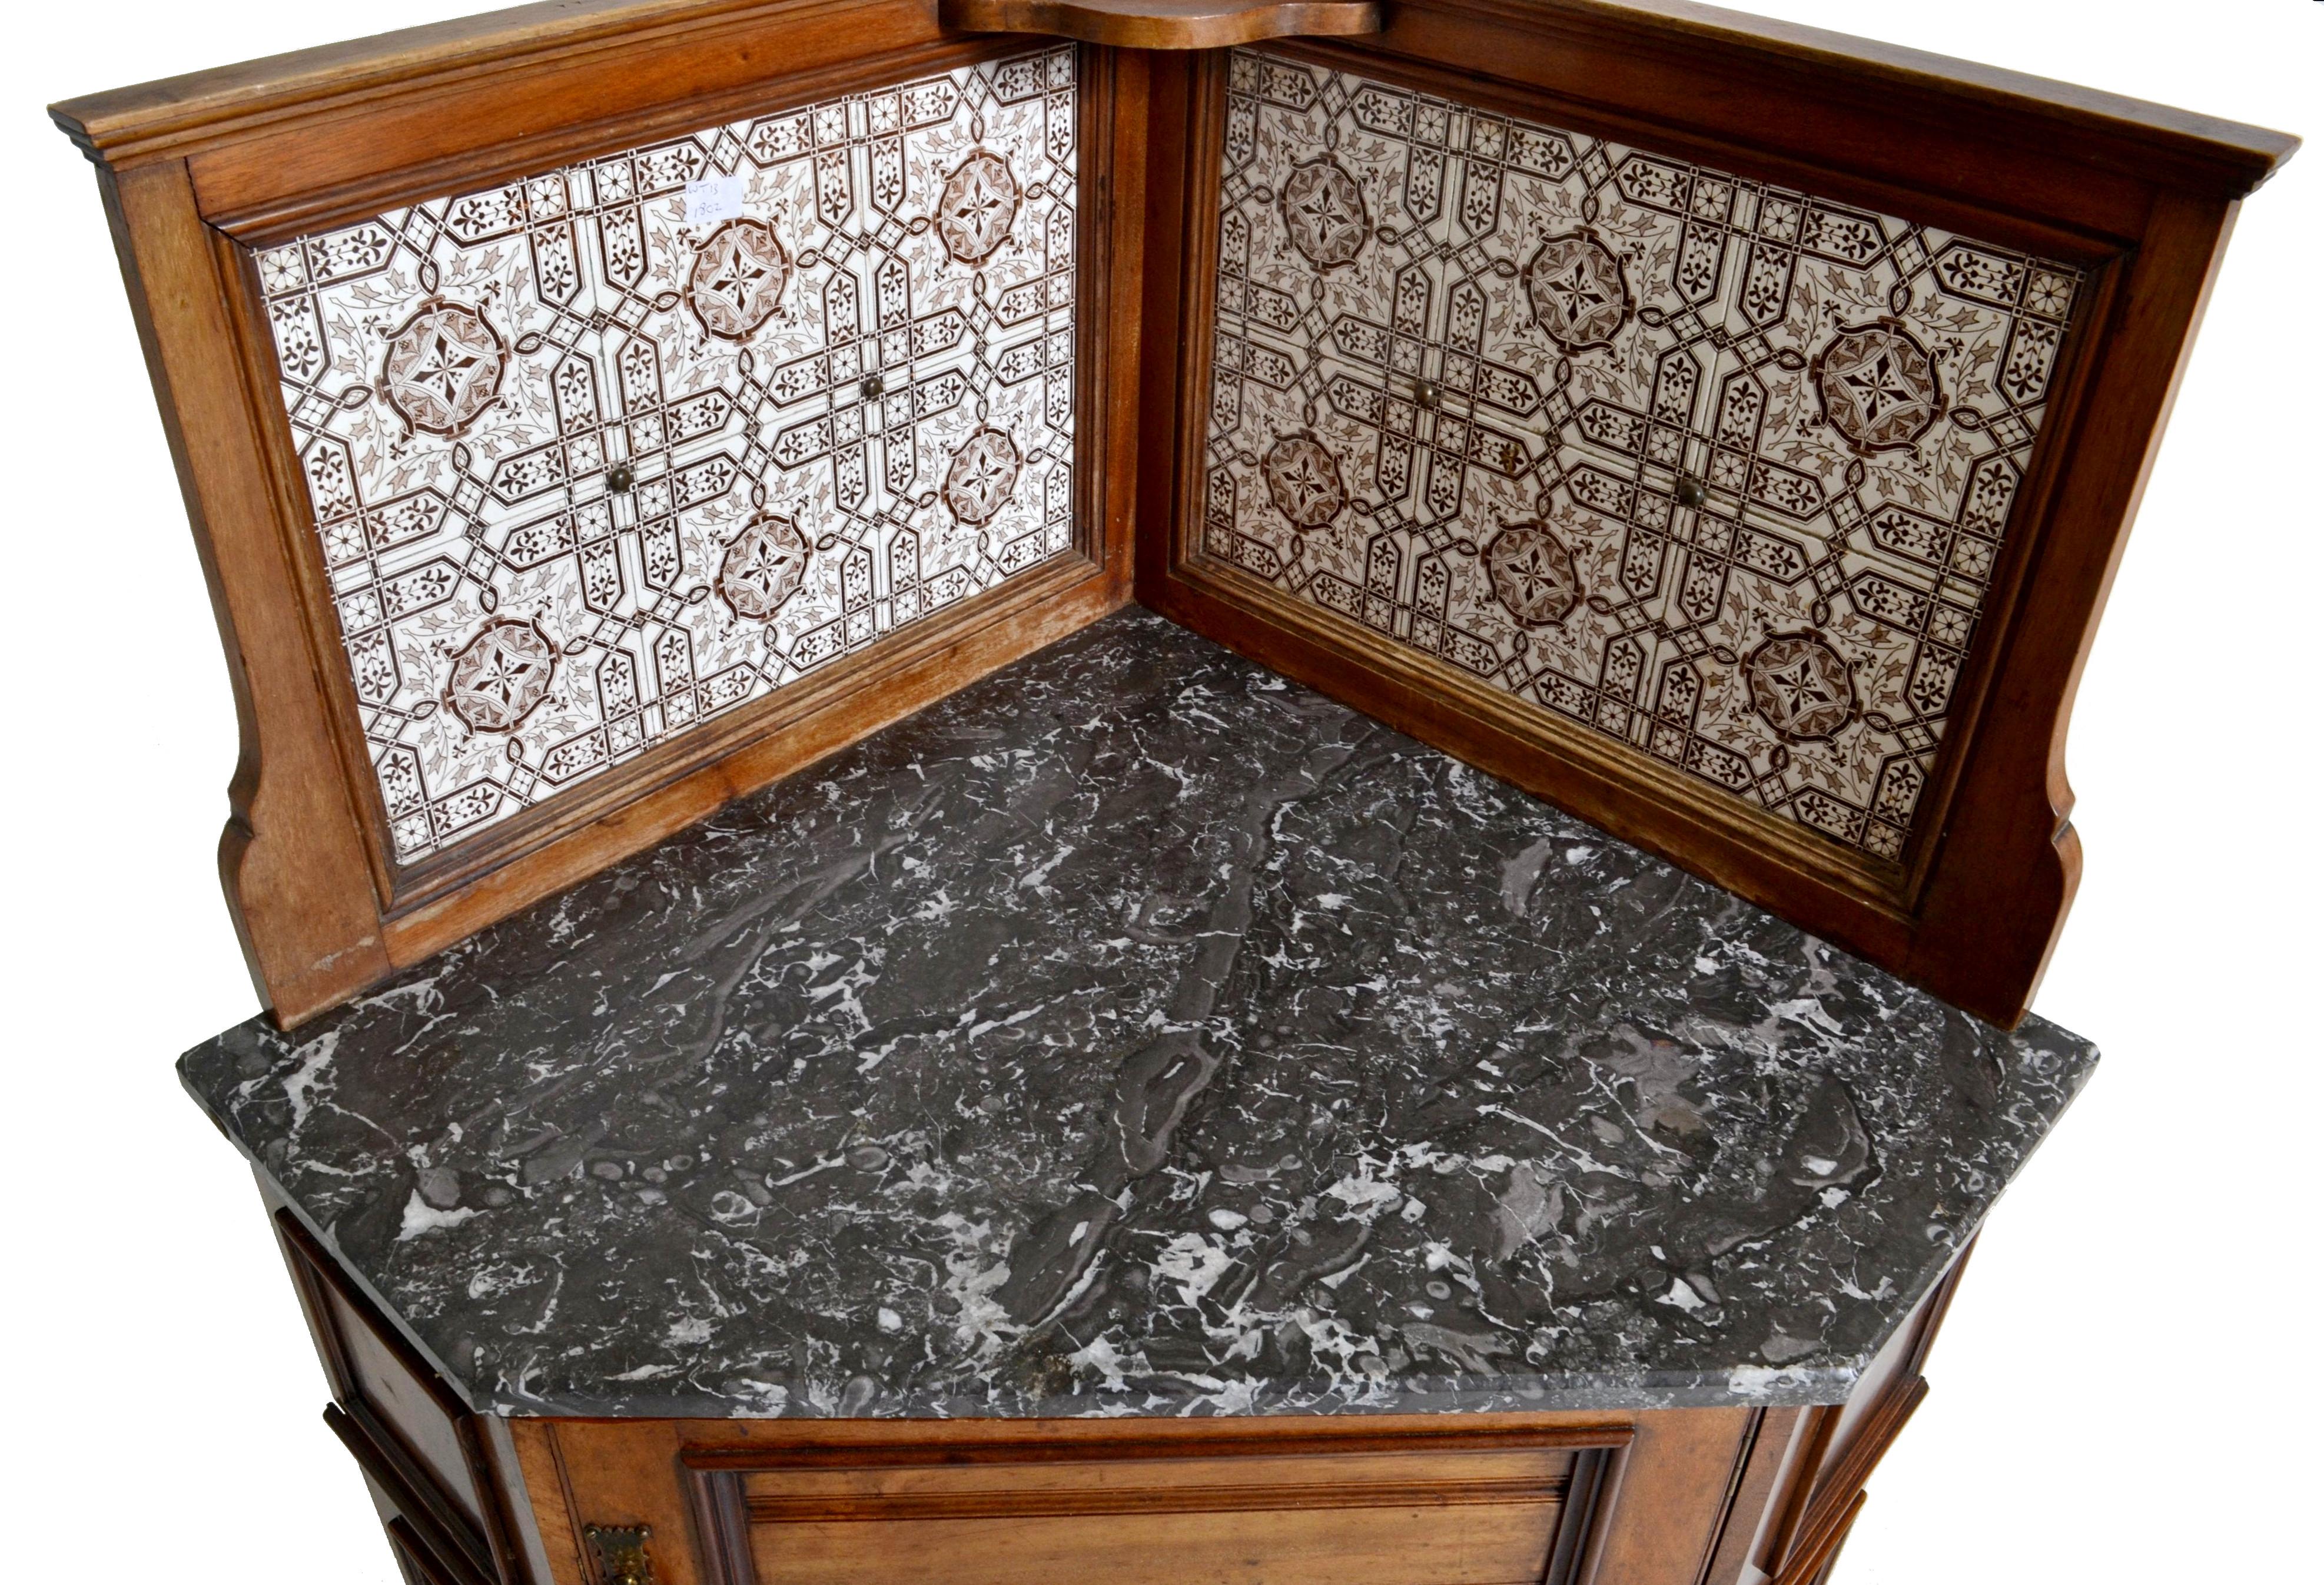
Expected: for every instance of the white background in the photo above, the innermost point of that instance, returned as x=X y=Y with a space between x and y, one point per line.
x=2128 y=1388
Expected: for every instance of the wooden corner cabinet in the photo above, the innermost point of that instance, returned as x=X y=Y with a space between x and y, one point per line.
x=1206 y=791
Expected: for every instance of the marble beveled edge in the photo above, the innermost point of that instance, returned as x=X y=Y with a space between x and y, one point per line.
x=1825 y=1383
x=477 y=1403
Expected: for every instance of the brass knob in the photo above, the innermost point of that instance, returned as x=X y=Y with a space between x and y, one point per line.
x=1427 y=393
x=1688 y=491
x=873 y=386
x=620 y=478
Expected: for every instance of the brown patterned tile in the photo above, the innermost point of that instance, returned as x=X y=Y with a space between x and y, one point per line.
x=1714 y=468
x=598 y=454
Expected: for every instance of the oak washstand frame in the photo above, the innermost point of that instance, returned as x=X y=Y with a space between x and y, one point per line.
x=200 y=171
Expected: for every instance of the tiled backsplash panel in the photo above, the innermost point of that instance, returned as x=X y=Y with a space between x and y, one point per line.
x=1714 y=468
x=601 y=453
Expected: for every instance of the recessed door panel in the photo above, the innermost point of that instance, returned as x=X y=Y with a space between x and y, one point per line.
x=1424 y=1516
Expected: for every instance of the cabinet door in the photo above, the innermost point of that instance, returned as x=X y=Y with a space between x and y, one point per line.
x=1473 y=1509
x=422 y=1454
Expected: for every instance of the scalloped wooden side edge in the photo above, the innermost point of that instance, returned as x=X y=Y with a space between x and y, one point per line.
x=1167 y=24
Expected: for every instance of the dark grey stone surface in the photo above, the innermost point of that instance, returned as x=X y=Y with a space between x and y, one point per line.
x=1136 y=1032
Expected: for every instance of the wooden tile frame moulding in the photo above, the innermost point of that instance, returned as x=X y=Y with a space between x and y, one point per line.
x=2141 y=197
x=196 y=171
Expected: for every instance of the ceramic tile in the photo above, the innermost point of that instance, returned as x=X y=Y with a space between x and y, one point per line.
x=599 y=454
x=1718 y=469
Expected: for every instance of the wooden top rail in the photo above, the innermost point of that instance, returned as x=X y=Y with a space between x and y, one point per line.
x=177 y=113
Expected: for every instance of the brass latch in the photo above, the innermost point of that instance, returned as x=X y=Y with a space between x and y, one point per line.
x=620 y=1554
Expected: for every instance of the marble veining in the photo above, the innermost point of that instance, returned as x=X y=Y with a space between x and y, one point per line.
x=1136 y=1032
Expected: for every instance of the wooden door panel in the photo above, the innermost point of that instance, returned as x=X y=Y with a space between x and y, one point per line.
x=1134 y=1514
x=1167 y=1545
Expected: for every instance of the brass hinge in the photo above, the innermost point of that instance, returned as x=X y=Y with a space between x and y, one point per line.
x=621 y=1552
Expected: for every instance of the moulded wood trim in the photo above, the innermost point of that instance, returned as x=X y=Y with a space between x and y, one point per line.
x=1844 y=1482
x=450 y=1549
x=148 y=117
x=1830 y=1491
x=768 y=1508
x=436 y=135
x=1767 y=1449
x=722 y=1522
x=411 y=1554
x=307 y=1282
x=350 y=163
x=224 y=102
x=1810 y=1566
x=1804 y=136
x=451 y=1541
x=1592 y=1498
x=296 y=1234
x=2129 y=133
x=1165 y=24
x=1653 y=1517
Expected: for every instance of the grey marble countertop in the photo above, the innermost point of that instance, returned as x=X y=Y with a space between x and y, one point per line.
x=1138 y=1032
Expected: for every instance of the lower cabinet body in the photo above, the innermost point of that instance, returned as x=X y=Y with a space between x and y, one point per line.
x=1731 y=1495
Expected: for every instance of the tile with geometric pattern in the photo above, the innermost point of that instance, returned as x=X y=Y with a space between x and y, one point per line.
x=601 y=453
x=1715 y=468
